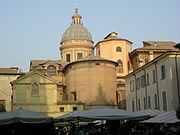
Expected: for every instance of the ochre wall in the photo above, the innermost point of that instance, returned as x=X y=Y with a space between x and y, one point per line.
x=45 y=103
x=94 y=83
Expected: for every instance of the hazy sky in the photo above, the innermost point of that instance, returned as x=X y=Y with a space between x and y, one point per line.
x=32 y=29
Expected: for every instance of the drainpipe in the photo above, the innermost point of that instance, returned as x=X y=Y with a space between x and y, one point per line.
x=135 y=91
x=157 y=84
x=145 y=87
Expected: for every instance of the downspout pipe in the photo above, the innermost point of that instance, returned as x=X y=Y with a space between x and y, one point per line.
x=157 y=85
x=146 y=105
x=135 y=91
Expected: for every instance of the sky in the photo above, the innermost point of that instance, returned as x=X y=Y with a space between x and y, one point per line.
x=32 y=29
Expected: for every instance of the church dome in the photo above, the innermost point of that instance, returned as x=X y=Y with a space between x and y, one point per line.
x=76 y=31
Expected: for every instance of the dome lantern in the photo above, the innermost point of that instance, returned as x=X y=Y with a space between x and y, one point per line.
x=76 y=18
x=76 y=31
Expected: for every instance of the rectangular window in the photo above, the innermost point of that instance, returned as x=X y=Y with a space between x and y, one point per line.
x=154 y=76
x=61 y=109
x=132 y=85
x=155 y=101
x=67 y=57
x=143 y=81
x=145 y=103
x=74 y=108
x=2 y=106
x=133 y=109
x=163 y=72
x=164 y=101
x=147 y=79
x=139 y=105
x=149 y=101
x=79 y=56
x=138 y=83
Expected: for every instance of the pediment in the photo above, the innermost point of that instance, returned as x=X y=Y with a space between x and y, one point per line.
x=32 y=77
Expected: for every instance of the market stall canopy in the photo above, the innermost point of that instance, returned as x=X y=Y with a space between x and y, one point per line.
x=24 y=116
x=105 y=113
x=67 y=117
x=150 y=112
x=166 y=117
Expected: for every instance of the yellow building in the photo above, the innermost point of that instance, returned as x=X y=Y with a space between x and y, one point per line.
x=117 y=49
x=92 y=80
x=79 y=81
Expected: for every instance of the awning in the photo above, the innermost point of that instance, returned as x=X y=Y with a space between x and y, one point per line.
x=150 y=112
x=23 y=116
x=166 y=117
x=104 y=113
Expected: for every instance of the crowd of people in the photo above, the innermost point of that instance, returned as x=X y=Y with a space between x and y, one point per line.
x=118 y=128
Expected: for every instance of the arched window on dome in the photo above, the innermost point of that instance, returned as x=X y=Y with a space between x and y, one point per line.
x=51 y=70
x=34 y=89
x=118 y=49
x=120 y=66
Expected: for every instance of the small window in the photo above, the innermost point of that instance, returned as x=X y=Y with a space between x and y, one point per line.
x=138 y=83
x=51 y=70
x=120 y=66
x=143 y=81
x=67 y=57
x=156 y=101
x=79 y=56
x=164 y=101
x=74 y=108
x=118 y=49
x=145 y=103
x=163 y=72
x=61 y=109
x=133 y=108
x=149 y=101
x=129 y=69
x=73 y=96
x=139 y=105
x=35 y=89
x=2 y=106
x=154 y=76
x=132 y=85
x=147 y=78
x=97 y=63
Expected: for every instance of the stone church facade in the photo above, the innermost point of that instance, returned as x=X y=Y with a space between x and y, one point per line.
x=78 y=81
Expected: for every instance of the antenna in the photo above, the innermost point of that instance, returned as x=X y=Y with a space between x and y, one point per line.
x=76 y=5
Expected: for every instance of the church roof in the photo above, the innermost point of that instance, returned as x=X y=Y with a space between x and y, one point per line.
x=112 y=36
x=158 y=45
x=76 y=31
x=28 y=74
x=38 y=64
x=89 y=58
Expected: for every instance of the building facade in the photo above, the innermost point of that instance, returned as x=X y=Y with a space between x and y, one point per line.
x=117 y=49
x=92 y=80
x=79 y=81
x=149 y=51
x=6 y=76
x=155 y=85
